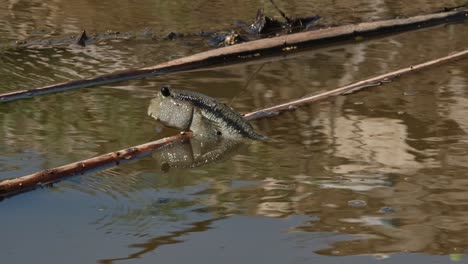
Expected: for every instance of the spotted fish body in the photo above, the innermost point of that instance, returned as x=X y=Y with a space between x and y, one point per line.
x=201 y=114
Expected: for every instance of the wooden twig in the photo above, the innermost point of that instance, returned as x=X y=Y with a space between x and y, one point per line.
x=351 y=88
x=254 y=50
x=289 y=20
x=45 y=177
x=13 y=186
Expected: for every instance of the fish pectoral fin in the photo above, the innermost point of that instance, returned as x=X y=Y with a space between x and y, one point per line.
x=212 y=128
x=203 y=126
x=215 y=127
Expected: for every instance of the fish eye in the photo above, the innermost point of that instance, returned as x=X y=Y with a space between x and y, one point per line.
x=165 y=91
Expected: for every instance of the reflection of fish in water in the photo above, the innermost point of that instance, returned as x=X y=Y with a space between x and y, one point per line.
x=203 y=115
x=194 y=153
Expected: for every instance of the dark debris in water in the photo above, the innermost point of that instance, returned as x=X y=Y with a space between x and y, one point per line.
x=82 y=38
x=386 y=210
x=226 y=39
x=163 y=200
x=173 y=36
x=263 y=26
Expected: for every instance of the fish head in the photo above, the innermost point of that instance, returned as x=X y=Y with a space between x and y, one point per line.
x=171 y=111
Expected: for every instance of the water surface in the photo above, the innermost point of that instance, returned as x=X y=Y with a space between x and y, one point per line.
x=376 y=175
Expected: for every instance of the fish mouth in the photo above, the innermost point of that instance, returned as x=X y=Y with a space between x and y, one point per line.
x=151 y=114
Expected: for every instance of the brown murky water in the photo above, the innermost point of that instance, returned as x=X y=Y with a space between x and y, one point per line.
x=376 y=175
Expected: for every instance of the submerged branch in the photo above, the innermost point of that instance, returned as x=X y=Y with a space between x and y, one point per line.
x=21 y=184
x=254 y=50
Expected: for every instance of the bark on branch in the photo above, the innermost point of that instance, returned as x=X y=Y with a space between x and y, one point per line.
x=41 y=178
x=254 y=50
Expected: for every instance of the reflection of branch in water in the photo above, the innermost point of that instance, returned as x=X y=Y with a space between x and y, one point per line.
x=154 y=243
x=193 y=152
